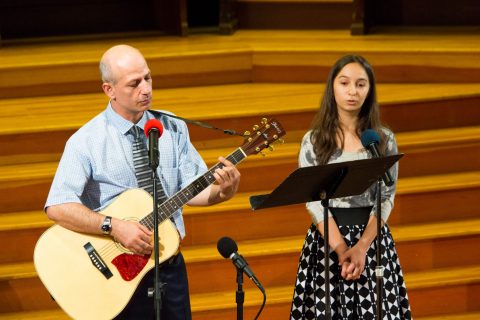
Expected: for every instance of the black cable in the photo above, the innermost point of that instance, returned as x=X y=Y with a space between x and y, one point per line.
x=199 y=123
x=263 y=305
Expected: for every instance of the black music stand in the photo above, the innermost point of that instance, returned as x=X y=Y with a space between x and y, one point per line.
x=325 y=182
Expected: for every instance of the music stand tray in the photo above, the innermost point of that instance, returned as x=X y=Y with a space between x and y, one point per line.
x=328 y=181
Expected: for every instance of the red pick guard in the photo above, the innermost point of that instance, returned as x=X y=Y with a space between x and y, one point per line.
x=130 y=265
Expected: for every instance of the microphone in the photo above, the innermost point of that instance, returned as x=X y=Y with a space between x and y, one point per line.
x=228 y=249
x=153 y=130
x=370 y=140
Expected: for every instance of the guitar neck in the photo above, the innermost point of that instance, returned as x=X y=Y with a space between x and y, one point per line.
x=175 y=202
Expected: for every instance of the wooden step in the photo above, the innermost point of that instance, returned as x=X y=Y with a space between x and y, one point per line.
x=427 y=153
x=426 y=297
x=239 y=205
x=275 y=259
x=69 y=112
x=462 y=316
x=452 y=290
x=390 y=55
x=416 y=202
x=248 y=55
x=57 y=314
x=48 y=122
x=441 y=291
x=52 y=120
x=433 y=152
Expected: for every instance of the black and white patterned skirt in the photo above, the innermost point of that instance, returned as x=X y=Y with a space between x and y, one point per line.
x=352 y=300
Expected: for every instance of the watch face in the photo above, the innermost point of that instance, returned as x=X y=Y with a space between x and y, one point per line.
x=107 y=225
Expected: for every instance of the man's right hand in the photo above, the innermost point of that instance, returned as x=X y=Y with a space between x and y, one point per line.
x=133 y=236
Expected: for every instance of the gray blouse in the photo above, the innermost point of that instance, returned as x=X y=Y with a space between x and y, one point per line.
x=368 y=198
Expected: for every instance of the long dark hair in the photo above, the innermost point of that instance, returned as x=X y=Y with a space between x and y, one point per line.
x=325 y=126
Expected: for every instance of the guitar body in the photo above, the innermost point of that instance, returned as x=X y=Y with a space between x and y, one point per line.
x=78 y=286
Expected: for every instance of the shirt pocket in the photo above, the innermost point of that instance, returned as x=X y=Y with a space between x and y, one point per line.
x=169 y=178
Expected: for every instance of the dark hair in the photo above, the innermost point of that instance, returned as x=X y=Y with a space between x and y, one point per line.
x=325 y=126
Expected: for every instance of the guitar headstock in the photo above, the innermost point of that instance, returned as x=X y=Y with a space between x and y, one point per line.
x=263 y=136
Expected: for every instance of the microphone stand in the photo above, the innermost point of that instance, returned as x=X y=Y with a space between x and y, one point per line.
x=158 y=287
x=240 y=295
x=379 y=268
x=326 y=251
x=324 y=196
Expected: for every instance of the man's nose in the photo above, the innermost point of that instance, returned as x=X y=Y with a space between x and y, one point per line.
x=146 y=87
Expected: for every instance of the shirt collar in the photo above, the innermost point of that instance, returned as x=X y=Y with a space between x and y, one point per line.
x=121 y=123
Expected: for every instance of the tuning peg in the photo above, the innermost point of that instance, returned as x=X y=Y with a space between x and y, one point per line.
x=255 y=127
x=264 y=121
x=271 y=148
x=246 y=133
x=259 y=151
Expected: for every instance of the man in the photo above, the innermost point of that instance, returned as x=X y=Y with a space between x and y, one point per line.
x=97 y=165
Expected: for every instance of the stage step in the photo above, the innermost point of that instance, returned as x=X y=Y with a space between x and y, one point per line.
x=430 y=152
x=440 y=289
x=430 y=296
x=246 y=56
x=417 y=201
x=463 y=316
x=36 y=129
x=433 y=242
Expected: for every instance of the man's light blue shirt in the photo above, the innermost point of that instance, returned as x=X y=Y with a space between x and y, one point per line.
x=97 y=163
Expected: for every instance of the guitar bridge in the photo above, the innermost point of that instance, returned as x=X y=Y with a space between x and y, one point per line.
x=97 y=261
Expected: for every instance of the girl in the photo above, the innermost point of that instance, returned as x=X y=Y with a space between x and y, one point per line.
x=349 y=106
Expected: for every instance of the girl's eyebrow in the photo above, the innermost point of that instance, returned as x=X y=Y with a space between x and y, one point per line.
x=359 y=79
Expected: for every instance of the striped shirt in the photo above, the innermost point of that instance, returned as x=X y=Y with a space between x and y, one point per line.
x=97 y=163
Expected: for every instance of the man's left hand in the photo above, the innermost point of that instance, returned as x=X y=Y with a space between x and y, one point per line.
x=228 y=179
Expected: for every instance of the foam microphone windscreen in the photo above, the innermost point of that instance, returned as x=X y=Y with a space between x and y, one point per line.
x=368 y=137
x=226 y=246
x=153 y=123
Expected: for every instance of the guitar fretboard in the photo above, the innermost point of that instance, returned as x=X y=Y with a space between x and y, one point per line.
x=175 y=202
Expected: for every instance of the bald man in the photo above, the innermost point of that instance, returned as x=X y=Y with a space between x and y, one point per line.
x=97 y=166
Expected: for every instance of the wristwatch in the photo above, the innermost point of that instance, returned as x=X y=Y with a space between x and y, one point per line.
x=107 y=225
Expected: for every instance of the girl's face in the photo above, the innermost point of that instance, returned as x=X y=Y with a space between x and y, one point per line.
x=351 y=87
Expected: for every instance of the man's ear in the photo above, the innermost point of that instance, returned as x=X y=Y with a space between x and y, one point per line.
x=109 y=90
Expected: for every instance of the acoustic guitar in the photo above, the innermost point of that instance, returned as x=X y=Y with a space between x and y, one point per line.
x=93 y=276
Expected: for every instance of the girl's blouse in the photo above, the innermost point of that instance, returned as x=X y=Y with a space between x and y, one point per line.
x=368 y=198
